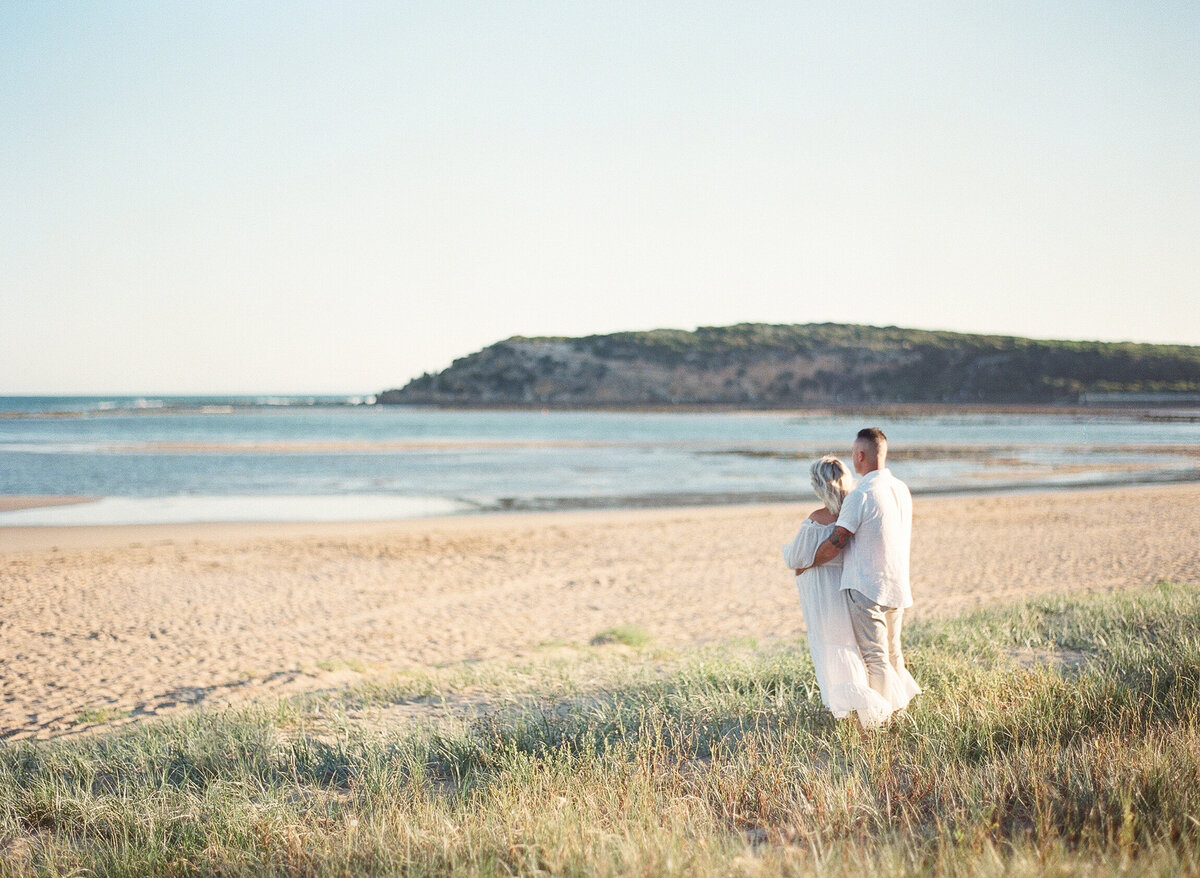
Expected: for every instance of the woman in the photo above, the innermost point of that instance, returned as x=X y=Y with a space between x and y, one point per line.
x=841 y=675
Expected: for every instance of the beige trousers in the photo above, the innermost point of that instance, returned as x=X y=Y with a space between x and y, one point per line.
x=877 y=630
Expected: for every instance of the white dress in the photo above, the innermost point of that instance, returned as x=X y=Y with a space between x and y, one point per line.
x=841 y=674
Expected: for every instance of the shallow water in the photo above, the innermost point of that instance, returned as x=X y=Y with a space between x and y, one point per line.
x=236 y=458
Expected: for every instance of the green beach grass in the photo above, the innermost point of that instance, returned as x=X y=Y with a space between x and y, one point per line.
x=1057 y=737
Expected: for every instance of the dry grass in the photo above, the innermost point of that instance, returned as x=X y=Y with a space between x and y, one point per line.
x=591 y=761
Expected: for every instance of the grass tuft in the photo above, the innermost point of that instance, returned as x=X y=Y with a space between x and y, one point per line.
x=628 y=635
x=100 y=714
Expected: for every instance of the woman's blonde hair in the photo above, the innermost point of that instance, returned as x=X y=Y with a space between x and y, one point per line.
x=831 y=480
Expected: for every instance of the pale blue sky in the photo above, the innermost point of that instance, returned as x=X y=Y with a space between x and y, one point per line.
x=335 y=197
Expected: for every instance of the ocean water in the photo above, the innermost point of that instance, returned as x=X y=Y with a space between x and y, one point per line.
x=182 y=459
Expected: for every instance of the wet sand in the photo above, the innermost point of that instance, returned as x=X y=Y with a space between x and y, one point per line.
x=134 y=621
x=11 y=503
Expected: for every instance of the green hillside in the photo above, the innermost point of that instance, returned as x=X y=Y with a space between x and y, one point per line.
x=770 y=366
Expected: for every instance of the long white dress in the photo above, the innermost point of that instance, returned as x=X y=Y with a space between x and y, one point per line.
x=841 y=674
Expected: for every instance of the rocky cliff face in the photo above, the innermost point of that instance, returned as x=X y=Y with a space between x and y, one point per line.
x=766 y=366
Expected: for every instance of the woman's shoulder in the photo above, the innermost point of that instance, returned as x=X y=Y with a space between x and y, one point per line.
x=822 y=516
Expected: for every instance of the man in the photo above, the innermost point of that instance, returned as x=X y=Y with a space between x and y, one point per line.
x=874 y=527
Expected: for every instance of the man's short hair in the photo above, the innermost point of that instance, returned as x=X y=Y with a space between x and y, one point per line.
x=874 y=437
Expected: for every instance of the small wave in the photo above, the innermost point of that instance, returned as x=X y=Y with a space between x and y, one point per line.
x=82 y=407
x=341 y=446
x=60 y=448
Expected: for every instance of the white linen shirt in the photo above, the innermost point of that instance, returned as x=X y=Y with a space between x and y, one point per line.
x=879 y=514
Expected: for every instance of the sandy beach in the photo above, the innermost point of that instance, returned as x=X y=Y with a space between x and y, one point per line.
x=135 y=621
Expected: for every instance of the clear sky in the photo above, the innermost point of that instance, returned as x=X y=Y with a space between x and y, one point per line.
x=335 y=197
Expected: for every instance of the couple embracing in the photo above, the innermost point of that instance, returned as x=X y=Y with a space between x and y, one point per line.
x=851 y=563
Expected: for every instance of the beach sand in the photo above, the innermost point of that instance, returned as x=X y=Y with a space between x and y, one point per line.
x=134 y=621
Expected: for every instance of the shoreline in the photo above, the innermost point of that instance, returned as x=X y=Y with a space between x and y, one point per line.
x=136 y=621
x=552 y=506
x=219 y=404
x=19 y=538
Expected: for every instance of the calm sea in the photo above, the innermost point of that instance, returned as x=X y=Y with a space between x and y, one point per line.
x=180 y=459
